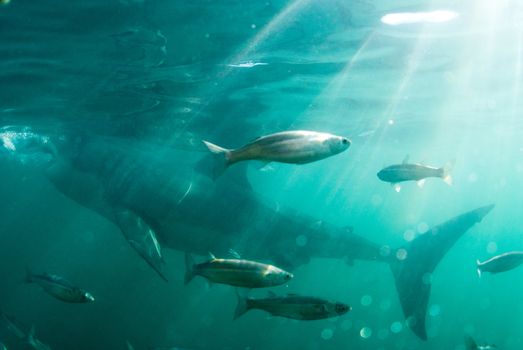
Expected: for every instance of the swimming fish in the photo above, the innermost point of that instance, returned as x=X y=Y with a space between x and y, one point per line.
x=413 y=172
x=60 y=288
x=236 y=272
x=295 y=147
x=292 y=306
x=500 y=263
x=34 y=342
x=472 y=345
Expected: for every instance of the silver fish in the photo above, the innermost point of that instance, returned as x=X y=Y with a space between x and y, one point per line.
x=413 y=172
x=60 y=288
x=500 y=263
x=34 y=342
x=472 y=345
x=236 y=272
x=292 y=306
x=295 y=147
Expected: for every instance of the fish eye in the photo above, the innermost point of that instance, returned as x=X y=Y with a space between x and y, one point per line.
x=344 y=141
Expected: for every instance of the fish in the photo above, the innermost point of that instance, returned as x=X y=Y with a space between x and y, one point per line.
x=294 y=147
x=394 y=174
x=107 y=175
x=34 y=342
x=30 y=339
x=500 y=263
x=60 y=288
x=471 y=344
x=236 y=272
x=293 y=306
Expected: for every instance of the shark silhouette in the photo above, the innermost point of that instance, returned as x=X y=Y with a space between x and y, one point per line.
x=158 y=197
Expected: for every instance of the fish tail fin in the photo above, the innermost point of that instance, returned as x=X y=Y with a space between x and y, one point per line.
x=242 y=306
x=222 y=158
x=412 y=276
x=478 y=268
x=470 y=344
x=446 y=172
x=189 y=268
x=30 y=339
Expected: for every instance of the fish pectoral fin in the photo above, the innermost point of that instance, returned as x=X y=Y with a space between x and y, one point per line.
x=265 y=166
x=142 y=239
x=397 y=187
x=420 y=183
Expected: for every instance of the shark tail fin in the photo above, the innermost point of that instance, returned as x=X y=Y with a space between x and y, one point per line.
x=242 y=306
x=222 y=158
x=413 y=273
x=189 y=268
x=446 y=172
x=470 y=344
x=478 y=268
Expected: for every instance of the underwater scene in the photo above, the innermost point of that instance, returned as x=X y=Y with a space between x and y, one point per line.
x=281 y=174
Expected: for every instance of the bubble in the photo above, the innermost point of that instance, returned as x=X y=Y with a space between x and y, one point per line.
x=384 y=250
x=327 y=333
x=253 y=26
x=411 y=321
x=409 y=235
x=366 y=300
x=346 y=325
x=396 y=327
x=301 y=241
x=473 y=177
x=383 y=334
x=366 y=332
x=391 y=121
x=385 y=304
x=434 y=310
x=492 y=247
x=427 y=278
x=401 y=254
x=423 y=227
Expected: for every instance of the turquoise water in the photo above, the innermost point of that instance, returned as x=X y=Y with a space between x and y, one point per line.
x=126 y=90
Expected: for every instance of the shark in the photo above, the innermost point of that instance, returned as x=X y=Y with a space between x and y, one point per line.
x=161 y=197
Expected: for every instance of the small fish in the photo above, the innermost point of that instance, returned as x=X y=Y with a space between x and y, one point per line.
x=34 y=342
x=500 y=263
x=236 y=272
x=413 y=172
x=248 y=64
x=292 y=306
x=472 y=345
x=294 y=147
x=59 y=288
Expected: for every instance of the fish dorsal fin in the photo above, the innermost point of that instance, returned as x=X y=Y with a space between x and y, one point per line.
x=234 y=254
x=406 y=159
x=271 y=294
x=211 y=256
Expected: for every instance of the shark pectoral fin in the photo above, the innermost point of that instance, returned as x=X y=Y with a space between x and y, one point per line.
x=142 y=238
x=412 y=275
x=421 y=183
